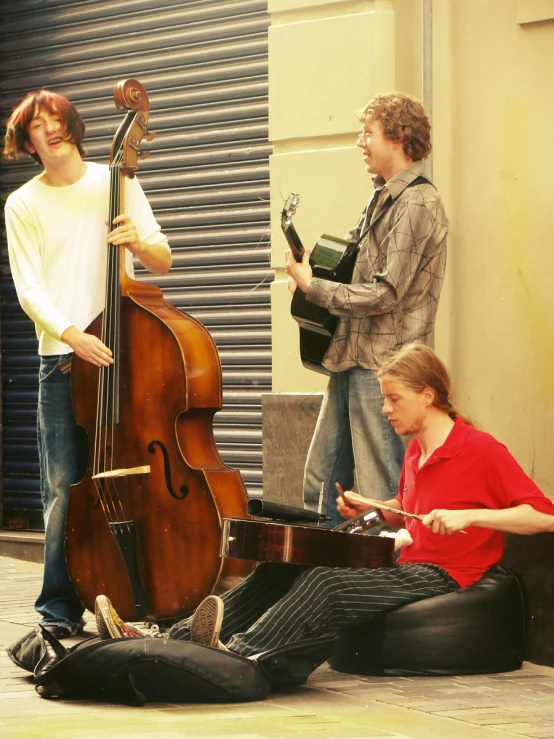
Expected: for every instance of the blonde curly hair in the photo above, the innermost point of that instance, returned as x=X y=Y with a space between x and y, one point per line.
x=403 y=119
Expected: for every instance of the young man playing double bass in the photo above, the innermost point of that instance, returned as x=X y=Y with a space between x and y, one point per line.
x=57 y=240
x=458 y=478
x=392 y=300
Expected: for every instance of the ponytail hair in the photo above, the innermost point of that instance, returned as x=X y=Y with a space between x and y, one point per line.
x=417 y=366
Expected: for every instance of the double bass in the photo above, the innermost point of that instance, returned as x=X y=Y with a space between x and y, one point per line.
x=144 y=524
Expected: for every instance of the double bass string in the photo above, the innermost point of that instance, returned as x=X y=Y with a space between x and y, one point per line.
x=113 y=309
x=106 y=410
x=100 y=403
x=100 y=485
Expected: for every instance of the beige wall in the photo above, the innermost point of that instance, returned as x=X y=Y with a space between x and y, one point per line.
x=493 y=137
x=325 y=60
x=494 y=158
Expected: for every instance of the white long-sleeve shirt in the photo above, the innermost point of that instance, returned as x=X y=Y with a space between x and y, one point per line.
x=57 y=243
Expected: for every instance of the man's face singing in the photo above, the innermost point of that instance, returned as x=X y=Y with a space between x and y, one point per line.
x=48 y=137
x=379 y=152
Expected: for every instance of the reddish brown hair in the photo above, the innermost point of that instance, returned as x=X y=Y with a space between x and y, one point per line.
x=418 y=367
x=403 y=119
x=17 y=133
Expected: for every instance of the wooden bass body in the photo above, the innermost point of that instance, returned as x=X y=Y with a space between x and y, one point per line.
x=143 y=525
x=304 y=545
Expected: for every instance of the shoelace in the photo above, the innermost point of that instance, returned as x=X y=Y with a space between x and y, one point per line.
x=153 y=631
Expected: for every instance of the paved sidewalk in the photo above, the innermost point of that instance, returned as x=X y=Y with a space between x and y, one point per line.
x=329 y=706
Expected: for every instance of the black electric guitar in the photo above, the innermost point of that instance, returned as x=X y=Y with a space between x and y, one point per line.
x=331 y=259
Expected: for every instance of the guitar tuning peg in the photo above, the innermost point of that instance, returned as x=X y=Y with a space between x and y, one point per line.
x=144 y=154
x=150 y=135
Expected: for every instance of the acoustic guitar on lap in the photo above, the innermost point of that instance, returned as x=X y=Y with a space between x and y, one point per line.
x=268 y=541
x=331 y=259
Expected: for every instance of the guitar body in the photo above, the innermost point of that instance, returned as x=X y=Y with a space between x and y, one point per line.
x=331 y=259
x=263 y=541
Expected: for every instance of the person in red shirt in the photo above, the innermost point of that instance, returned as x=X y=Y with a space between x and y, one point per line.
x=464 y=484
x=459 y=478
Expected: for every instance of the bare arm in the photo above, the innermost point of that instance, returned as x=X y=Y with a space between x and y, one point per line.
x=522 y=519
x=155 y=258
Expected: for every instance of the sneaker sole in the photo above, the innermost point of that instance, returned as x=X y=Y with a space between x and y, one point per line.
x=104 y=621
x=206 y=622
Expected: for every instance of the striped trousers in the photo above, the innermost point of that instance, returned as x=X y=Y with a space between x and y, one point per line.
x=280 y=604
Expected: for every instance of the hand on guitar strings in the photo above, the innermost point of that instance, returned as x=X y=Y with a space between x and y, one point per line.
x=300 y=272
x=440 y=521
x=353 y=505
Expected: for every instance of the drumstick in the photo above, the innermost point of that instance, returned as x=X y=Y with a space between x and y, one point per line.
x=341 y=493
x=388 y=508
x=382 y=506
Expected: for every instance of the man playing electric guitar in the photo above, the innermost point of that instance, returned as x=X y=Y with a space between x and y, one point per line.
x=391 y=300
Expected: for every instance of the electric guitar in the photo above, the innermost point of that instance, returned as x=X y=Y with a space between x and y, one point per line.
x=331 y=259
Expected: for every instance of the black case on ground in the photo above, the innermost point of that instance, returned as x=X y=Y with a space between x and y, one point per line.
x=137 y=671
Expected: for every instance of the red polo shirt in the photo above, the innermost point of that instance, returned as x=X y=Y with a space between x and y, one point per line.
x=470 y=470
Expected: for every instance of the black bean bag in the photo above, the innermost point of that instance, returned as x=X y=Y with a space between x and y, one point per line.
x=475 y=630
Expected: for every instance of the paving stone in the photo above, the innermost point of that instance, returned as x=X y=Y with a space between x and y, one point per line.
x=331 y=705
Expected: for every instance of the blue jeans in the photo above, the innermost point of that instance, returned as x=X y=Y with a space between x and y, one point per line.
x=61 y=465
x=352 y=434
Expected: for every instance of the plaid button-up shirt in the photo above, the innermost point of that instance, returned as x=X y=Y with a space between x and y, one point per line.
x=397 y=279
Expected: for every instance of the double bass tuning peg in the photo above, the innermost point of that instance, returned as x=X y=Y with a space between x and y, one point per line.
x=148 y=136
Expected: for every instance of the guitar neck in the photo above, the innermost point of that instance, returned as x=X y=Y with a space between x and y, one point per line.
x=293 y=241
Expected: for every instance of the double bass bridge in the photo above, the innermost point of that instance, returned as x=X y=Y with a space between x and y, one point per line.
x=124 y=472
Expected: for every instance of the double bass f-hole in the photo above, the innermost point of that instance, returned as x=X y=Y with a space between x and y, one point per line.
x=183 y=490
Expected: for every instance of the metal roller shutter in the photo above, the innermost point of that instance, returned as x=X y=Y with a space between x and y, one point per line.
x=204 y=65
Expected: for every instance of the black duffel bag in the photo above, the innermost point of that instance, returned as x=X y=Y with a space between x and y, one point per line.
x=136 y=671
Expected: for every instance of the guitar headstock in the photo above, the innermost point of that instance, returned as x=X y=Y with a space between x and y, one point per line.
x=289 y=208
